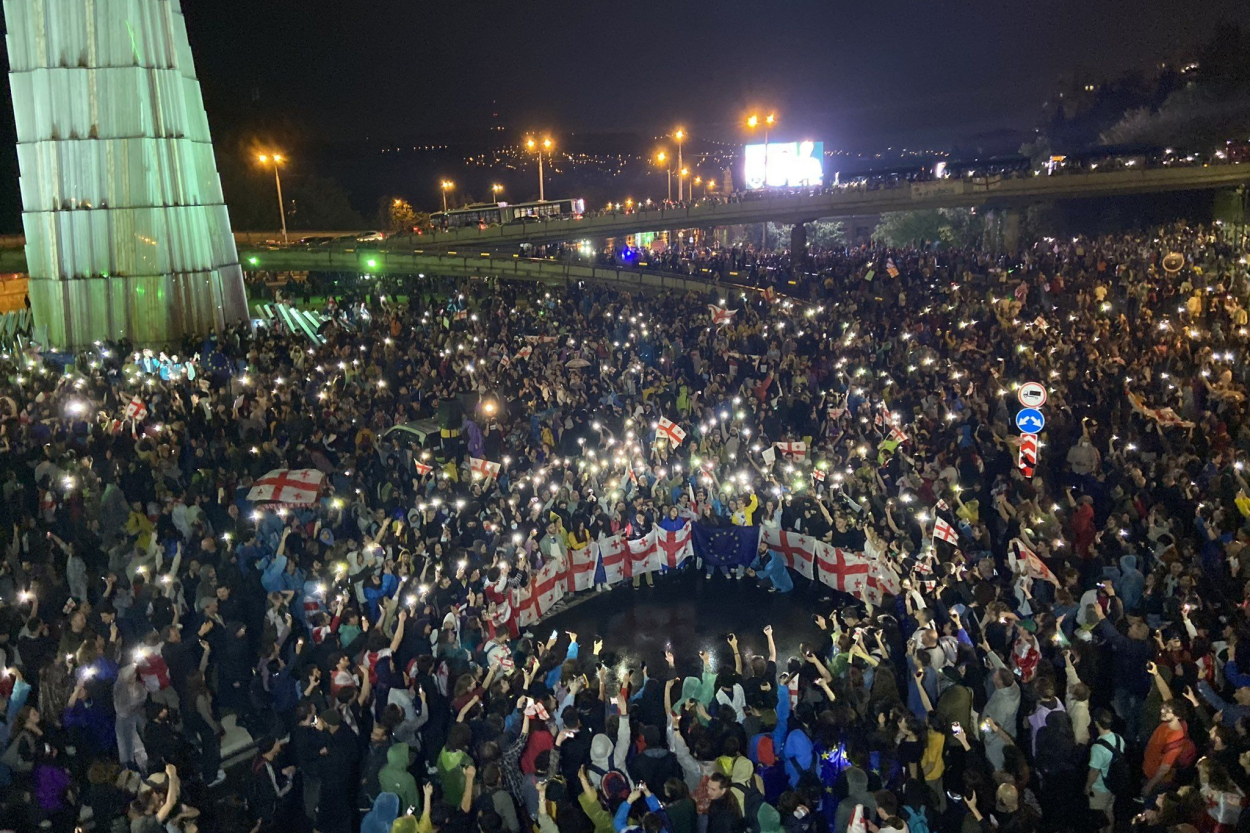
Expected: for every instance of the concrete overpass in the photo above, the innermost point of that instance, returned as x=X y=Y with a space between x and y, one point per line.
x=839 y=202
x=465 y=246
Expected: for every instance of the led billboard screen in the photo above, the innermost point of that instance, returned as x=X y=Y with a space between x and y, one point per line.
x=789 y=165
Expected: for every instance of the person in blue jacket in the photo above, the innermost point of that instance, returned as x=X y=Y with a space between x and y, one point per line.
x=621 y=821
x=770 y=568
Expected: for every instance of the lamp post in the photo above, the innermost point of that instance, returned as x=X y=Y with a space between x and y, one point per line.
x=277 y=160
x=539 y=148
x=496 y=189
x=754 y=121
x=446 y=185
x=679 y=135
x=660 y=159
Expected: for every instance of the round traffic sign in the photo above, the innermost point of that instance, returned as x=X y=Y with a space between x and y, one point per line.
x=1032 y=394
x=1030 y=421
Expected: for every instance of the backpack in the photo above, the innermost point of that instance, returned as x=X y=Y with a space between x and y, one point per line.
x=613 y=785
x=1117 y=778
x=917 y=821
x=752 y=800
x=775 y=781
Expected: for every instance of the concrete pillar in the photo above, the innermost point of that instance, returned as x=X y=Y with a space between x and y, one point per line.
x=126 y=229
x=798 y=244
x=1011 y=229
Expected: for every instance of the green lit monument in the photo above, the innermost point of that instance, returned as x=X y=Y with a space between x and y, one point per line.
x=127 y=233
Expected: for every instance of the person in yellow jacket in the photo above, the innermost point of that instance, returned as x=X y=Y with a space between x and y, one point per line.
x=741 y=512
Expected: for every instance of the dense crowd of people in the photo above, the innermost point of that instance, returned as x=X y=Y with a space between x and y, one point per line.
x=1073 y=654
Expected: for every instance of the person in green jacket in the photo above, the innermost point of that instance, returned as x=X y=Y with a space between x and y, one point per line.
x=452 y=762
x=589 y=799
x=395 y=777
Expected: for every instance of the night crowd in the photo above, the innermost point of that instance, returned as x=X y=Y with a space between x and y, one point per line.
x=1077 y=658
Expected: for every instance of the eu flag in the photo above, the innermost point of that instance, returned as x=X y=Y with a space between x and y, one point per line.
x=725 y=546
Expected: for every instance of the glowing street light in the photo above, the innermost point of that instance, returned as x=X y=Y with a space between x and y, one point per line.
x=537 y=147
x=661 y=158
x=277 y=159
x=754 y=121
x=445 y=186
x=496 y=190
x=679 y=136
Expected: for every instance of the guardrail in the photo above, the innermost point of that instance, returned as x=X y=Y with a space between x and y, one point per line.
x=416 y=262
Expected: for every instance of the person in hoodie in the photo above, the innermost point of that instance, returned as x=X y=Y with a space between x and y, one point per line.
x=606 y=755
x=655 y=764
x=382 y=816
x=856 y=794
x=1002 y=708
x=129 y=699
x=770 y=569
x=395 y=777
x=1131 y=584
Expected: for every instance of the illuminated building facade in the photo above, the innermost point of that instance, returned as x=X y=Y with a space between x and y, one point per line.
x=127 y=233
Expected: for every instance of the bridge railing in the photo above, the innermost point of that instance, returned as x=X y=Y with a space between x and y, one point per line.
x=417 y=262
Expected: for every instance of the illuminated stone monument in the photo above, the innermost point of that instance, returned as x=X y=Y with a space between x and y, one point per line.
x=127 y=233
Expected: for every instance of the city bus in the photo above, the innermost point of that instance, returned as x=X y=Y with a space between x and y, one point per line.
x=495 y=214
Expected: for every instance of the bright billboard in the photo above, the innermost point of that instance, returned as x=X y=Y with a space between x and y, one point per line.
x=789 y=165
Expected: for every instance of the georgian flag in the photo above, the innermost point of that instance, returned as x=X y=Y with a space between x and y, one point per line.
x=290 y=487
x=484 y=469
x=582 y=567
x=524 y=353
x=613 y=551
x=644 y=556
x=548 y=586
x=720 y=315
x=1034 y=567
x=944 y=531
x=136 y=410
x=675 y=546
x=667 y=428
x=799 y=551
x=422 y=468
x=797 y=449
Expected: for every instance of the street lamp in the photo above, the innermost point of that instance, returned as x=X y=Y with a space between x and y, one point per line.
x=753 y=121
x=277 y=160
x=496 y=189
x=446 y=185
x=679 y=135
x=539 y=148
x=660 y=159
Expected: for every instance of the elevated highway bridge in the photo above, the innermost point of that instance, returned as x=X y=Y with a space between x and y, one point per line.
x=837 y=202
x=473 y=251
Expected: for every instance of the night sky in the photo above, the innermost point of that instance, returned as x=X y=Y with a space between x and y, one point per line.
x=854 y=74
x=332 y=83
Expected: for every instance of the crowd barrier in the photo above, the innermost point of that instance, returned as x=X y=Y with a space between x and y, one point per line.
x=855 y=573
